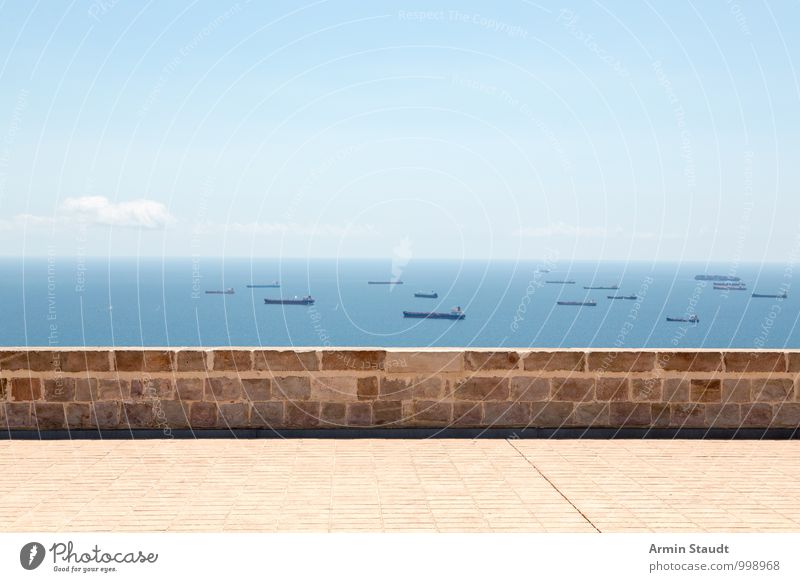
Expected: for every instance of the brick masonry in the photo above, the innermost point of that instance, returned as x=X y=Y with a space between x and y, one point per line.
x=336 y=388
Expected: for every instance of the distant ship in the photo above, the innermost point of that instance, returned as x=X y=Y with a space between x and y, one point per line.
x=307 y=300
x=783 y=295
x=610 y=287
x=431 y=295
x=690 y=319
x=384 y=282
x=543 y=271
x=582 y=303
x=631 y=297
x=730 y=286
x=228 y=291
x=273 y=285
x=561 y=282
x=716 y=278
x=455 y=313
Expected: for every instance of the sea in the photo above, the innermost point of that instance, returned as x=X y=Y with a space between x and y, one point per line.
x=62 y=302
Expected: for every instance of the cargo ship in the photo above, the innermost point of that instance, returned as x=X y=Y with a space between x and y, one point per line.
x=423 y=295
x=384 y=282
x=783 y=295
x=307 y=300
x=228 y=291
x=560 y=282
x=273 y=285
x=455 y=313
x=716 y=278
x=580 y=303
x=690 y=319
x=609 y=287
x=629 y=297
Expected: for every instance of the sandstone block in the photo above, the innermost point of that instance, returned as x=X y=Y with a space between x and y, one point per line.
x=334 y=389
x=291 y=388
x=286 y=360
x=368 y=388
x=225 y=388
x=174 y=414
x=688 y=415
x=396 y=389
x=775 y=390
x=433 y=412
x=630 y=414
x=138 y=414
x=85 y=361
x=621 y=361
x=151 y=388
x=705 y=390
x=233 y=360
x=191 y=361
x=482 y=388
x=500 y=360
x=551 y=414
x=761 y=361
x=23 y=389
x=359 y=414
x=106 y=414
x=333 y=413
x=690 y=361
x=738 y=390
x=363 y=360
x=467 y=414
x=676 y=390
x=203 y=414
x=529 y=389
x=554 y=361
x=234 y=415
x=49 y=415
x=302 y=414
x=143 y=360
x=660 y=414
x=424 y=361
x=79 y=415
x=189 y=388
x=256 y=389
x=609 y=389
x=646 y=389
x=573 y=389
x=723 y=415
x=59 y=389
x=18 y=415
x=757 y=415
x=507 y=413
x=590 y=414
x=267 y=414
x=787 y=415
x=387 y=412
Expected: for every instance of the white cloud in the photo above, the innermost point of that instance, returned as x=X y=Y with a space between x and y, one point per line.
x=570 y=230
x=141 y=213
x=299 y=229
x=564 y=229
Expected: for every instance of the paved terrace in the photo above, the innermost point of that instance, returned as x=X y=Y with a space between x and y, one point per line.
x=400 y=485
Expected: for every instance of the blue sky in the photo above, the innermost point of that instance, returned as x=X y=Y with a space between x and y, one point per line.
x=611 y=130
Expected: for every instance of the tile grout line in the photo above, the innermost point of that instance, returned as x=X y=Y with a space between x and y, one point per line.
x=549 y=482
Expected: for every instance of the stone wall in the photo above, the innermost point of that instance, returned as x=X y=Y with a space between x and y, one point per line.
x=171 y=389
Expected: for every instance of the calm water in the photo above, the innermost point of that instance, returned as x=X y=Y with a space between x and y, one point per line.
x=63 y=302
